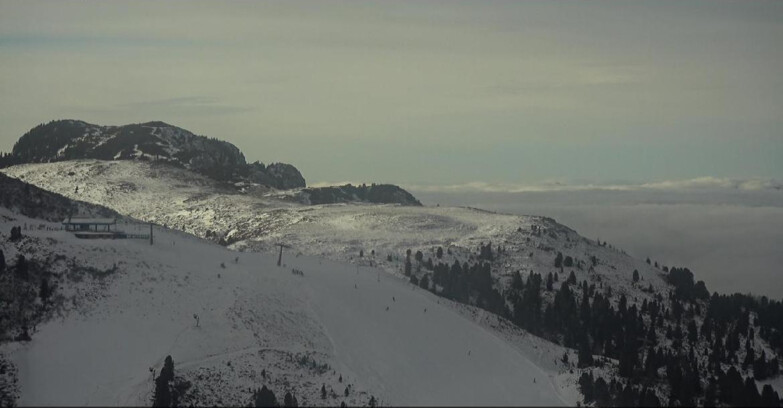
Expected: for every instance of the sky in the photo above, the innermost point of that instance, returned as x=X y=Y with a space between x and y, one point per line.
x=436 y=93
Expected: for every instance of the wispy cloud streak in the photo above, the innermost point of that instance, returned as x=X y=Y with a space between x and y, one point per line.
x=700 y=183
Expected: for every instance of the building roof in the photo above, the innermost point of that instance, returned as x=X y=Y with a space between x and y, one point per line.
x=91 y=221
x=97 y=233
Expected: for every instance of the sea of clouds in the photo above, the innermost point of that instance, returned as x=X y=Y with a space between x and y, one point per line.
x=729 y=232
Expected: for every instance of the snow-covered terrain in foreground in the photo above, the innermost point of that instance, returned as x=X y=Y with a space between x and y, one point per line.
x=256 y=316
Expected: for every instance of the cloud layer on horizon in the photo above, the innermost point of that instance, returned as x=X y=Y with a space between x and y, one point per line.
x=698 y=183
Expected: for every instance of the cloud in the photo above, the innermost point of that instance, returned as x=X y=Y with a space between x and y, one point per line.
x=186 y=106
x=716 y=183
x=700 y=183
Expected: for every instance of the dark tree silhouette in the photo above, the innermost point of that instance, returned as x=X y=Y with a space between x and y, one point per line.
x=559 y=260
x=45 y=291
x=264 y=398
x=163 y=395
x=424 y=282
x=289 y=400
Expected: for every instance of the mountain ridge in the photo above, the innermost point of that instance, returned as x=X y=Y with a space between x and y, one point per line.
x=71 y=139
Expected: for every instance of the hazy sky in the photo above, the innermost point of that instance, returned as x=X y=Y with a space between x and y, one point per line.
x=419 y=92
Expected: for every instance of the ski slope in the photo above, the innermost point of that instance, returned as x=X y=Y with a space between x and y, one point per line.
x=253 y=316
x=418 y=357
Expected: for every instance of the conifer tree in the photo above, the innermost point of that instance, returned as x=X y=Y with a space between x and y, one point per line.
x=751 y=397
x=516 y=281
x=163 y=396
x=571 y=278
x=167 y=372
x=585 y=356
x=21 y=266
x=264 y=398
x=769 y=397
x=424 y=282
x=44 y=292
x=289 y=400
x=586 y=386
x=760 y=367
x=549 y=281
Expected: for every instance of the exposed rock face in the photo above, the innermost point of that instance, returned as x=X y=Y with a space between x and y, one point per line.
x=285 y=176
x=279 y=175
x=375 y=193
x=158 y=141
x=73 y=139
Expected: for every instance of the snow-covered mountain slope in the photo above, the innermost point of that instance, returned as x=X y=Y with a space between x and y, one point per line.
x=653 y=328
x=32 y=201
x=75 y=139
x=257 y=219
x=381 y=335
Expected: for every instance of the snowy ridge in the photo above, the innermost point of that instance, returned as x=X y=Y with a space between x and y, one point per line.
x=99 y=351
x=258 y=219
